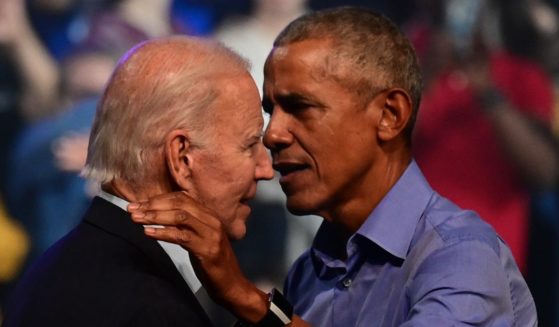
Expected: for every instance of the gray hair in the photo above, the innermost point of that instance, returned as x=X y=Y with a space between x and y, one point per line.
x=371 y=52
x=158 y=86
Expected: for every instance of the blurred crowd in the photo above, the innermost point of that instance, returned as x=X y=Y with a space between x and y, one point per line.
x=486 y=135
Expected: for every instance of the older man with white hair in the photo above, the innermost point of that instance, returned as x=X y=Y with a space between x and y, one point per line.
x=178 y=114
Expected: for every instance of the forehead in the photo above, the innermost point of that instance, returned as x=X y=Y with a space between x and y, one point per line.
x=307 y=67
x=311 y=56
x=238 y=105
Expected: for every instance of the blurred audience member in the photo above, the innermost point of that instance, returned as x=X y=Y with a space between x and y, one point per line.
x=46 y=199
x=28 y=86
x=61 y=24
x=123 y=23
x=253 y=35
x=480 y=140
x=38 y=70
x=84 y=74
x=11 y=121
x=543 y=263
x=14 y=244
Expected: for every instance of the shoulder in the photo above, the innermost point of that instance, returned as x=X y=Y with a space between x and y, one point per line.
x=446 y=224
x=86 y=261
x=110 y=285
x=458 y=268
x=456 y=245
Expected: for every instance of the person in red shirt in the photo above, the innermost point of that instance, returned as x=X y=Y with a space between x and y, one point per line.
x=479 y=138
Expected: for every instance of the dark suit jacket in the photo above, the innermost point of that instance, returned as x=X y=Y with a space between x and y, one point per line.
x=105 y=272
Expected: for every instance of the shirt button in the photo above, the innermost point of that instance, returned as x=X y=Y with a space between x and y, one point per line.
x=347 y=282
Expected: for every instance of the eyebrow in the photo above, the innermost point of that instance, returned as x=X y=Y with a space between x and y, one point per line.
x=290 y=99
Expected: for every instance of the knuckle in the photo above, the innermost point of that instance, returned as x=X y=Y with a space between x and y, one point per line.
x=183 y=236
x=176 y=200
x=144 y=205
x=181 y=217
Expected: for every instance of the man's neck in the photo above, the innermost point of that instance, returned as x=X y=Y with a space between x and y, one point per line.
x=125 y=191
x=352 y=212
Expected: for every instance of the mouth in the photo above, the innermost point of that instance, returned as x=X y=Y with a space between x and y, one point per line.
x=250 y=196
x=289 y=168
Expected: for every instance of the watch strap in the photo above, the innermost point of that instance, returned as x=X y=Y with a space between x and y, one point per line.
x=280 y=312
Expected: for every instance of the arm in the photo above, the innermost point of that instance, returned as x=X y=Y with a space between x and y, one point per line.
x=39 y=71
x=198 y=230
x=528 y=143
x=465 y=284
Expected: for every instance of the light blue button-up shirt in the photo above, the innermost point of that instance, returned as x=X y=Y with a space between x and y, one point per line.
x=418 y=260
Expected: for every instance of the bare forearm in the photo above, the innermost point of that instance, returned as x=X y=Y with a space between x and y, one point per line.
x=250 y=304
x=529 y=149
x=40 y=76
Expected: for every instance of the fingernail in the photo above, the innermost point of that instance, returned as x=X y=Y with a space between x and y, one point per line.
x=133 y=206
x=138 y=215
x=149 y=230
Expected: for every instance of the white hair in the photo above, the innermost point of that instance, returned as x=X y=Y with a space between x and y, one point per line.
x=158 y=86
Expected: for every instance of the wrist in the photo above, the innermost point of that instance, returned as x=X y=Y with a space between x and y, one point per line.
x=279 y=313
x=251 y=304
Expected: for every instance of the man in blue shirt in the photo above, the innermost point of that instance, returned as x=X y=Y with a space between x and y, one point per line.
x=343 y=88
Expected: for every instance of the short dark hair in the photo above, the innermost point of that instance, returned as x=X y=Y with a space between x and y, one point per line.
x=377 y=53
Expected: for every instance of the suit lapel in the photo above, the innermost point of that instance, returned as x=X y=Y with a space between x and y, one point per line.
x=116 y=221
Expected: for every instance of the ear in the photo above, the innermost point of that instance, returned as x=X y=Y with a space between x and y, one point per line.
x=178 y=156
x=395 y=114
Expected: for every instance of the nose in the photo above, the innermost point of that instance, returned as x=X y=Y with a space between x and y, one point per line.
x=277 y=135
x=264 y=168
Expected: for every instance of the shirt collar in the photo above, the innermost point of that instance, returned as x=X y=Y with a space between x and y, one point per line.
x=178 y=255
x=391 y=225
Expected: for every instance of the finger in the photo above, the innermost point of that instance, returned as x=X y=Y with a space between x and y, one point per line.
x=182 y=237
x=173 y=218
x=162 y=217
x=178 y=219
x=177 y=201
x=203 y=246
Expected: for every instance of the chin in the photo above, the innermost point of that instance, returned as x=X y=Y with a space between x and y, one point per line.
x=235 y=225
x=237 y=232
x=238 y=228
x=300 y=208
